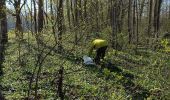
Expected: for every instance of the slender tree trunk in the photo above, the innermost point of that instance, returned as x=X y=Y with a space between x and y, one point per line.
x=102 y=15
x=141 y=10
x=60 y=84
x=97 y=16
x=79 y=4
x=114 y=22
x=46 y=10
x=52 y=20
x=31 y=10
x=76 y=21
x=72 y=11
x=137 y=25
x=119 y=15
x=60 y=25
x=18 y=23
x=40 y=15
x=18 y=26
x=150 y=20
x=134 y=19
x=68 y=13
x=85 y=10
x=129 y=21
x=157 y=17
x=169 y=11
x=35 y=17
x=3 y=38
x=3 y=21
x=3 y=32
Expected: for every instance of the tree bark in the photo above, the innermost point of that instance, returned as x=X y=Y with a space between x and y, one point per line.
x=60 y=84
x=18 y=25
x=150 y=20
x=141 y=10
x=68 y=13
x=60 y=25
x=129 y=21
x=35 y=17
x=157 y=9
x=40 y=15
x=3 y=21
x=3 y=38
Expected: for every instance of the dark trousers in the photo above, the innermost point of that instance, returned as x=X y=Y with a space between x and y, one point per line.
x=100 y=54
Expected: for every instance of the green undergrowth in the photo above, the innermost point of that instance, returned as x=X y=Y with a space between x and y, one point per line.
x=121 y=76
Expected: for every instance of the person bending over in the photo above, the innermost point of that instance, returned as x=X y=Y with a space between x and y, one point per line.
x=100 y=46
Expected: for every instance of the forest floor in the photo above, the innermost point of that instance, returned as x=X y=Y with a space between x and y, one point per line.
x=124 y=75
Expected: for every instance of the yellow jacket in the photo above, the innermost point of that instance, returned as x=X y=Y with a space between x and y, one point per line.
x=98 y=43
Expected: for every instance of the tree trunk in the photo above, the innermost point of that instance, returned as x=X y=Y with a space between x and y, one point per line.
x=60 y=83
x=79 y=4
x=40 y=15
x=141 y=10
x=114 y=22
x=3 y=38
x=169 y=11
x=53 y=21
x=149 y=20
x=18 y=26
x=46 y=10
x=85 y=10
x=35 y=17
x=137 y=25
x=134 y=19
x=68 y=13
x=60 y=25
x=76 y=20
x=129 y=21
x=97 y=16
x=3 y=21
x=157 y=17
